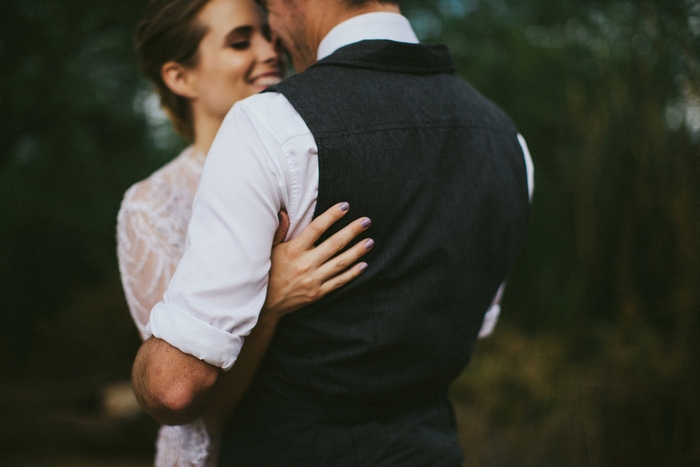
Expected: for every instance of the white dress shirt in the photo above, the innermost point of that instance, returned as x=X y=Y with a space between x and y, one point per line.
x=264 y=158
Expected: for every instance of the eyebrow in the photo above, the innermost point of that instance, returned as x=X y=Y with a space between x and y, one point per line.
x=241 y=30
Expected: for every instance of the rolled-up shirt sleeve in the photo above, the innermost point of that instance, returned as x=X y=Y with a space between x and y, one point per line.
x=219 y=287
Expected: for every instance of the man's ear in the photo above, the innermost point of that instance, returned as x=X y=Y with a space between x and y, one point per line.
x=179 y=79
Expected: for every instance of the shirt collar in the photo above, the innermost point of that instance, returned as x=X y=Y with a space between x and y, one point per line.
x=368 y=26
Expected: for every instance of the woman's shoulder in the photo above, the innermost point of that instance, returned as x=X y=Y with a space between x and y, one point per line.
x=169 y=184
x=157 y=210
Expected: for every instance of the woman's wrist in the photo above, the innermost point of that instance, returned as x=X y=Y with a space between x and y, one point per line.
x=269 y=318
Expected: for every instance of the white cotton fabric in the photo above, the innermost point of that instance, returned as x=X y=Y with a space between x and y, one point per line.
x=369 y=26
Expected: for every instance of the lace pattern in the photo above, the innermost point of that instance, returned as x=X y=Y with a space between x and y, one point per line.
x=151 y=233
x=186 y=446
x=152 y=229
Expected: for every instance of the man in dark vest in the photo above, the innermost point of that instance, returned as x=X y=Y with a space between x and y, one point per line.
x=360 y=377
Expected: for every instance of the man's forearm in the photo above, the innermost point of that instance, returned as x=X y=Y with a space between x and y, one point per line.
x=171 y=386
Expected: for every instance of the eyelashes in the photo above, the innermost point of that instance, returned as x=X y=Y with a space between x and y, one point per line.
x=240 y=45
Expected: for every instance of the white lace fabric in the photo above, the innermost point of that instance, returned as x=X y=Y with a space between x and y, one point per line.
x=151 y=233
x=186 y=446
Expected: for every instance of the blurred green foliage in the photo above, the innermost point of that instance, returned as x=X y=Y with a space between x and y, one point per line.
x=596 y=360
x=74 y=136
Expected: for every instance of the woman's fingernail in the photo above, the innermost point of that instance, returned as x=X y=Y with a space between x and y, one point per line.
x=363 y=266
x=344 y=206
x=366 y=222
x=369 y=243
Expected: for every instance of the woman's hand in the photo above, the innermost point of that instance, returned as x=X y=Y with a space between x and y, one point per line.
x=302 y=273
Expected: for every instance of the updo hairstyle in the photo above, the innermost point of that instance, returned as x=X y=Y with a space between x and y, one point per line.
x=169 y=31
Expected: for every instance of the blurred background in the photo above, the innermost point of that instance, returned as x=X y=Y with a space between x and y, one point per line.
x=596 y=359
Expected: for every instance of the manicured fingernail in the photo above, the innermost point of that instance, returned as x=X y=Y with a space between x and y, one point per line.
x=369 y=243
x=366 y=222
x=363 y=266
x=344 y=206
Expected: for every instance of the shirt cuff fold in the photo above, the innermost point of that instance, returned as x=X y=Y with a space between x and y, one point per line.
x=194 y=336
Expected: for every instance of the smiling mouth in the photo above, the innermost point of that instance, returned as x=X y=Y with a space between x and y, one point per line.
x=267 y=80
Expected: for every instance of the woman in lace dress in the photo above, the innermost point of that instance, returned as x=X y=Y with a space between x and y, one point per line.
x=203 y=56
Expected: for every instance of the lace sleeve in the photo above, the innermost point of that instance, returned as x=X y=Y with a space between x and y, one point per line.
x=147 y=250
x=186 y=446
x=151 y=233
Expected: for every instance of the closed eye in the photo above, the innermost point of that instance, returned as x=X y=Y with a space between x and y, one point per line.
x=239 y=38
x=241 y=45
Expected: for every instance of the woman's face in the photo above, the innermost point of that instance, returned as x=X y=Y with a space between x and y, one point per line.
x=237 y=58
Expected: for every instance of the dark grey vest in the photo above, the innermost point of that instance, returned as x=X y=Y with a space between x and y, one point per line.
x=359 y=378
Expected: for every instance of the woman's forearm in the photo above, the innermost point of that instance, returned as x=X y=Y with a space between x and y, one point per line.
x=233 y=384
x=301 y=273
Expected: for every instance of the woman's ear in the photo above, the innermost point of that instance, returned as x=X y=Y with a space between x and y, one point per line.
x=179 y=79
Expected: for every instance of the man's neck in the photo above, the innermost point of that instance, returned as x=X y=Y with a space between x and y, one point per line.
x=325 y=17
x=368 y=8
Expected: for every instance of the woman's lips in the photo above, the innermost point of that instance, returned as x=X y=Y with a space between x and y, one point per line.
x=266 y=80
